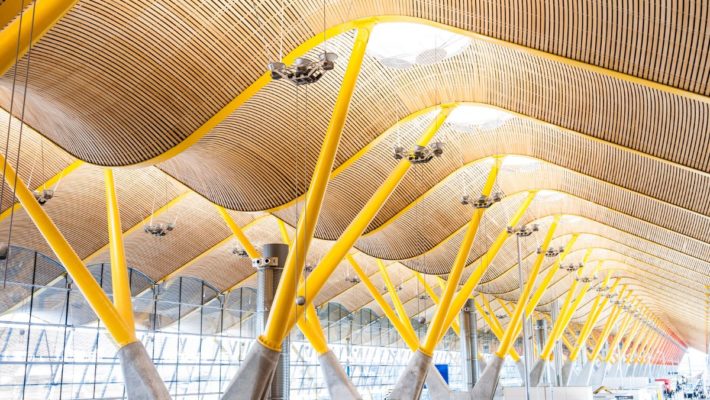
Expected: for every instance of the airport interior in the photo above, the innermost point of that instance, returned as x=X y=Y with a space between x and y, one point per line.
x=354 y=199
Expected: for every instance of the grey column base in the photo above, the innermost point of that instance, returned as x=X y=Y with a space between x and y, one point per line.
x=339 y=386
x=139 y=374
x=438 y=388
x=566 y=374
x=410 y=383
x=584 y=375
x=253 y=379
x=481 y=365
x=538 y=372
x=631 y=370
x=599 y=375
x=486 y=386
x=521 y=370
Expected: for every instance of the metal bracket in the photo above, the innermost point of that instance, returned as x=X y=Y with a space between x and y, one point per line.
x=265 y=262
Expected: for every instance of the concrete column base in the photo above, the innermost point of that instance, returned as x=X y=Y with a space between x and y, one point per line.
x=631 y=370
x=339 y=386
x=139 y=374
x=410 y=384
x=566 y=374
x=486 y=386
x=481 y=365
x=253 y=379
x=521 y=370
x=438 y=388
x=537 y=373
x=584 y=375
x=598 y=375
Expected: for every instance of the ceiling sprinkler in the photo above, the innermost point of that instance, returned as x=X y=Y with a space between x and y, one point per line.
x=240 y=252
x=552 y=251
x=43 y=196
x=482 y=201
x=159 y=229
x=304 y=70
x=571 y=267
x=420 y=154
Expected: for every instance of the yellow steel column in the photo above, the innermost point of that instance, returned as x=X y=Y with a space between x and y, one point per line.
x=638 y=343
x=619 y=335
x=395 y=298
x=438 y=326
x=310 y=326
x=495 y=325
x=15 y=38
x=465 y=292
x=611 y=321
x=435 y=299
x=517 y=318
x=411 y=340
x=284 y=232
x=91 y=290
x=284 y=298
x=238 y=233
x=316 y=280
x=599 y=303
x=632 y=338
x=568 y=310
x=120 y=281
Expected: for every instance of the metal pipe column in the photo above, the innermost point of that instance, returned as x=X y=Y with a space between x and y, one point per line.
x=268 y=278
x=526 y=348
x=557 y=351
x=469 y=344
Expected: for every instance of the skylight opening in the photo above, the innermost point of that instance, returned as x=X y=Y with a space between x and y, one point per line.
x=401 y=45
x=520 y=164
x=470 y=117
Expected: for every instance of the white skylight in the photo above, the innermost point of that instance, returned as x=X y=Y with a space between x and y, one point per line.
x=550 y=195
x=520 y=164
x=402 y=44
x=468 y=117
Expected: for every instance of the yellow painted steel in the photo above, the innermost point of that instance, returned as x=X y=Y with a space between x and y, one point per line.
x=21 y=33
x=94 y=295
x=401 y=312
x=238 y=233
x=504 y=306
x=568 y=308
x=11 y=9
x=496 y=327
x=276 y=330
x=465 y=292
x=638 y=343
x=284 y=233
x=455 y=326
x=599 y=303
x=610 y=323
x=619 y=335
x=48 y=184
x=567 y=343
x=310 y=326
x=317 y=279
x=518 y=316
x=438 y=325
x=411 y=340
x=631 y=338
x=120 y=281
x=545 y=284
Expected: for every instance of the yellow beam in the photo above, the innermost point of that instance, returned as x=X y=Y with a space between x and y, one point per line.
x=395 y=298
x=519 y=317
x=51 y=182
x=120 y=281
x=21 y=33
x=276 y=330
x=310 y=326
x=86 y=283
x=357 y=226
x=599 y=303
x=504 y=306
x=411 y=340
x=435 y=299
x=238 y=233
x=631 y=338
x=619 y=335
x=438 y=326
x=535 y=300
x=284 y=233
x=611 y=321
x=465 y=292
x=495 y=325
x=11 y=9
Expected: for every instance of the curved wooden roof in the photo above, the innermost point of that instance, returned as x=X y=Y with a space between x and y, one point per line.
x=606 y=104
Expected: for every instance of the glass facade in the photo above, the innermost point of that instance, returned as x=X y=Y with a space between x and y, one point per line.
x=53 y=347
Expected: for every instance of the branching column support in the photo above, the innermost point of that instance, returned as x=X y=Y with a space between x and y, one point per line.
x=614 y=347
x=398 y=306
x=435 y=299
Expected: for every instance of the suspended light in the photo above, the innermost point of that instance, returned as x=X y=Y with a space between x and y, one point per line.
x=469 y=117
x=401 y=45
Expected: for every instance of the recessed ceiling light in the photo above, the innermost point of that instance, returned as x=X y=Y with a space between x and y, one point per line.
x=402 y=44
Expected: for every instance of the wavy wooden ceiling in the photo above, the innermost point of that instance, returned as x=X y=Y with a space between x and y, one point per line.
x=121 y=83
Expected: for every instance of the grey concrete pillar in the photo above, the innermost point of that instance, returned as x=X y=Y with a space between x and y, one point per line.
x=410 y=384
x=585 y=375
x=540 y=338
x=469 y=344
x=486 y=386
x=267 y=278
x=557 y=379
x=339 y=386
x=139 y=373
